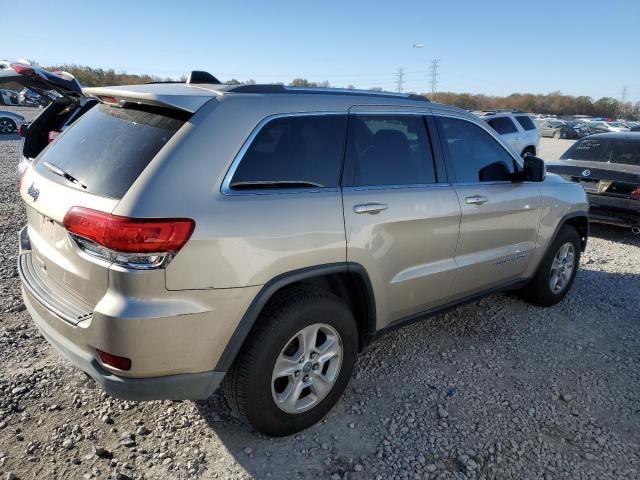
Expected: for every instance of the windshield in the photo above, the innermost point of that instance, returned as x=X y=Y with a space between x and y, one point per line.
x=623 y=151
x=108 y=148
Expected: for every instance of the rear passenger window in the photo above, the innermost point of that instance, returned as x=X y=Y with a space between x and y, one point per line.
x=389 y=150
x=474 y=154
x=526 y=122
x=294 y=152
x=502 y=125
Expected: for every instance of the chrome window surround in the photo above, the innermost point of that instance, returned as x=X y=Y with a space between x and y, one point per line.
x=226 y=189
x=456 y=115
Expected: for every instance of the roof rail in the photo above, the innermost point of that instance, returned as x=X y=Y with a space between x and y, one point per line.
x=277 y=88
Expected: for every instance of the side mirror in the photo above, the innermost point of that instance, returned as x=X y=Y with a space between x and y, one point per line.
x=534 y=169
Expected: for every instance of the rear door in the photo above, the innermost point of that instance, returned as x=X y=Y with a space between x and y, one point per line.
x=500 y=217
x=401 y=215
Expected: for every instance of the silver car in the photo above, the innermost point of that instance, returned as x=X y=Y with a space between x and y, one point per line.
x=10 y=122
x=187 y=236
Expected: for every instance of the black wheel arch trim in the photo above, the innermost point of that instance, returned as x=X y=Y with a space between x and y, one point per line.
x=270 y=288
x=563 y=221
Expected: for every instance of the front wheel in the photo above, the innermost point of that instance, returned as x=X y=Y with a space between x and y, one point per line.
x=7 y=126
x=557 y=134
x=556 y=271
x=295 y=364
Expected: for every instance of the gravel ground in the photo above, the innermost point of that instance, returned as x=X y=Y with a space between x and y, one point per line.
x=495 y=389
x=551 y=149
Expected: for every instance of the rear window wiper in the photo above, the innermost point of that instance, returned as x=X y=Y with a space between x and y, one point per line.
x=58 y=171
x=275 y=184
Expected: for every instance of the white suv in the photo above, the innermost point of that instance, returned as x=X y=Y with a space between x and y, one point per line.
x=516 y=128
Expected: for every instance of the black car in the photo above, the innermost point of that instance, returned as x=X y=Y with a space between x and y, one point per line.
x=607 y=165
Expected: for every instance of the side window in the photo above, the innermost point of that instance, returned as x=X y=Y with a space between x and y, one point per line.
x=389 y=150
x=476 y=156
x=526 y=122
x=294 y=152
x=502 y=125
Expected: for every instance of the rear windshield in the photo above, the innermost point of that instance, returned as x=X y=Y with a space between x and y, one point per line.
x=612 y=150
x=108 y=148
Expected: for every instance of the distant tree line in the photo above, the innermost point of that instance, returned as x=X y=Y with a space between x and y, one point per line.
x=554 y=103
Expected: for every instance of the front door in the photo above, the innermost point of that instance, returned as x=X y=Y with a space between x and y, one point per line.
x=500 y=216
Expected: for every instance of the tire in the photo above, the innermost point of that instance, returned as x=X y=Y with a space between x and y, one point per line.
x=253 y=389
x=557 y=134
x=7 y=126
x=539 y=290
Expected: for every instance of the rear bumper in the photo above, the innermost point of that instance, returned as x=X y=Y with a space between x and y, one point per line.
x=185 y=386
x=174 y=346
x=614 y=211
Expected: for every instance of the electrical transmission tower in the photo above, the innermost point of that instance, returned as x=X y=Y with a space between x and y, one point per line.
x=400 y=77
x=433 y=70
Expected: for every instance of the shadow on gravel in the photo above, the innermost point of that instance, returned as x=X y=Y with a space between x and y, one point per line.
x=11 y=136
x=607 y=316
x=613 y=233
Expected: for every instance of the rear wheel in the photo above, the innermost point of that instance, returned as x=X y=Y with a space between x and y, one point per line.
x=556 y=271
x=296 y=363
x=7 y=126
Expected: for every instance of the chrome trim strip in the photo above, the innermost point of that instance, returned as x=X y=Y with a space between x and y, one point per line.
x=395 y=187
x=226 y=189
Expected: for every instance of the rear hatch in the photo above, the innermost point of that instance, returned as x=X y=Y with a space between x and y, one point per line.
x=90 y=165
x=603 y=165
x=67 y=103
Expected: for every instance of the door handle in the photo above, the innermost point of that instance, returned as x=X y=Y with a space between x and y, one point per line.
x=476 y=200
x=371 y=208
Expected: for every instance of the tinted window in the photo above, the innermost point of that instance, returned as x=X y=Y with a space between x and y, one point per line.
x=502 y=125
x=294 y=152
x=476 y=156
x=389 y=150
x=525 y=122
x=107 y=149
x=622 y=150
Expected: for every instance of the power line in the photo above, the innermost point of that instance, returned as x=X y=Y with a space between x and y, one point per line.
x=433 y=70
x=400 y=77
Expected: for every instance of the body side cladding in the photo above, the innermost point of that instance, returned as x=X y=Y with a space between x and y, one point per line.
x=277 y=283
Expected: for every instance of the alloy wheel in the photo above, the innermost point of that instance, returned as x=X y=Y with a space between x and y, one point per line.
x=307 y=368
x=562 y=268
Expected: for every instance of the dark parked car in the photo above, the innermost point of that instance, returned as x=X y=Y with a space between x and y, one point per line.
x=561 y=129
x=607 y=165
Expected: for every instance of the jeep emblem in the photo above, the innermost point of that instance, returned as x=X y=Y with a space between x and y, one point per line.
x=33 y=192
x=586 y=173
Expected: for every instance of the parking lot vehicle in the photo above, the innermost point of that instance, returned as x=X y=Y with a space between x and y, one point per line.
x=607 y=165
x=608 y=126
x=562 y=129
x=9 y=97
x=10 y=122
x=189 y=235
x=517 y=129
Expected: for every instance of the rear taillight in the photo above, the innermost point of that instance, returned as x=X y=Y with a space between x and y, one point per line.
x=636 y=192
x=131 y=242
x=52 y=135
x=121 y=363
x=23 y=129
x=22 y=69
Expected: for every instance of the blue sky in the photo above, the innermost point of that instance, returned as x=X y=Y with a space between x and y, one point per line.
x=495 y=47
